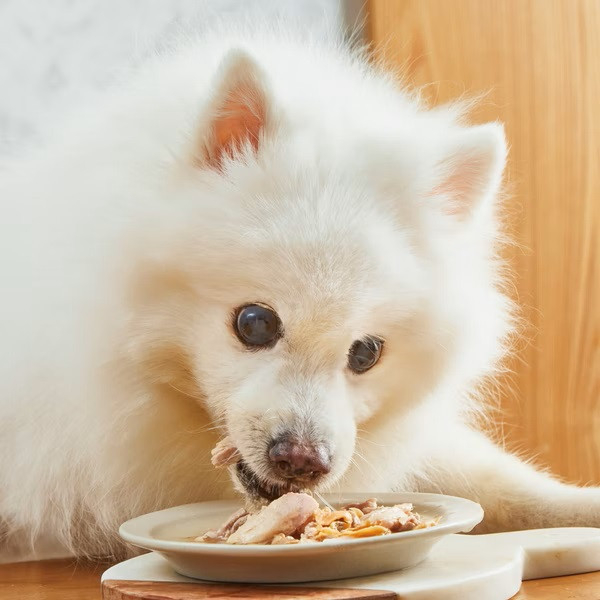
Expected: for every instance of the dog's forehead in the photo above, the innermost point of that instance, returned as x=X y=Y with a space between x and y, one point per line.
x=326 y=250
x=320 y=248
x=328 y=269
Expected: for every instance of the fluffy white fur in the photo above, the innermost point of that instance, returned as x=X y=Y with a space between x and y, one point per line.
x=252 y=167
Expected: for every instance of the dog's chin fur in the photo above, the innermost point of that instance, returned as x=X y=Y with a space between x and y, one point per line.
x=130 y=241
x=259 y=491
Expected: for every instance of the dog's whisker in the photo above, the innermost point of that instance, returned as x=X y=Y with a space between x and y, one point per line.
x=320 y=497
x=180 y=391
x=366 y=461
x=364 y=439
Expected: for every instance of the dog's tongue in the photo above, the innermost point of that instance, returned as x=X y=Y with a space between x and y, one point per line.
x=224 y=454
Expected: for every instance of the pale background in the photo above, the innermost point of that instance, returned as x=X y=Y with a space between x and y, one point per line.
x=55 y=52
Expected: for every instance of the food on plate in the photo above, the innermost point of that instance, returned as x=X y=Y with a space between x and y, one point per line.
x=284 y=516
x=224 y=454
x=296 y=518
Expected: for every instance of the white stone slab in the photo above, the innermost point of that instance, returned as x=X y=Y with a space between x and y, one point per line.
x=459 y=567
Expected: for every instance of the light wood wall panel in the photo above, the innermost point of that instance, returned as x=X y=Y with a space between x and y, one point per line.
x=539 y=61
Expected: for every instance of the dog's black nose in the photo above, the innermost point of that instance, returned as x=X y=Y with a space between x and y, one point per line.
x=292 y=458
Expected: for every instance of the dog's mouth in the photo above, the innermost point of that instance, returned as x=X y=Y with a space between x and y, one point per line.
x=256 y=488
x=298 y=468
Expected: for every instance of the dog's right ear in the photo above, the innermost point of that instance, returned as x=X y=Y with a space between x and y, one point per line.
x=471 y=168
x=239 y=114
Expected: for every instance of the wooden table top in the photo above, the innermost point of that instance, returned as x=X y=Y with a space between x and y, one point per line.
x=67 y=580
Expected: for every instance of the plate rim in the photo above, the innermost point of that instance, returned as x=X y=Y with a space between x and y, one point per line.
x=473 y=515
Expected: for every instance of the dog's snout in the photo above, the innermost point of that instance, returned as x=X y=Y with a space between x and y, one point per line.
x=299 y=459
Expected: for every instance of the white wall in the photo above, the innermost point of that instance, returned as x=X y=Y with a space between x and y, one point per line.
x=55 y=52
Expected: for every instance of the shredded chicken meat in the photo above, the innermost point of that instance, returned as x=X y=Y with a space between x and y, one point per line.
x=295 y=518
x=224 y=453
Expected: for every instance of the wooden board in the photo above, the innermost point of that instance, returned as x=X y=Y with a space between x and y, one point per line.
x=540 y=62
x=137 y=590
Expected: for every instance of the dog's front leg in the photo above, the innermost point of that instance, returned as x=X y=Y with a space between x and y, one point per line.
x=513 y=494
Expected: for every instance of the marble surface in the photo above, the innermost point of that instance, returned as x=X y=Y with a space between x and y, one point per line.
x=465 y=567
x=54 y=53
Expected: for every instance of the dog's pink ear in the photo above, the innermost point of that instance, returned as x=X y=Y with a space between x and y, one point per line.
x=472 y=168
x=238 y=115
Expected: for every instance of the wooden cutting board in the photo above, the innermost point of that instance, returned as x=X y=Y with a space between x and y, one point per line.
x=459 y=567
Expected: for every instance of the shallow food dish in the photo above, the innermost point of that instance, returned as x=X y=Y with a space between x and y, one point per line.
x=167 y=532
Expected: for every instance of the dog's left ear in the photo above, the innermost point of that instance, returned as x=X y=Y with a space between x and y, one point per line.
x=471 y=170
x=239 y=113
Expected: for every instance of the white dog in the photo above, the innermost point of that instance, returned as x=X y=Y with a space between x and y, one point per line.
x=265 y=239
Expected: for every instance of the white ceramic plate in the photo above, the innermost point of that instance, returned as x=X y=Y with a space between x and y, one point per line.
x=166 y=531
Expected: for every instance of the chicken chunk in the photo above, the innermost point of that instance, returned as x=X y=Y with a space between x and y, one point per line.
x=280 y=540
x=237 y=519
x=395 y=518
x=224 y=453
x=366 y=507
x=286 y=515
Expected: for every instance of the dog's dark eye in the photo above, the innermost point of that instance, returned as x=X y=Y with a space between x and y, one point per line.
x=364 y=354
x=257 y=326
